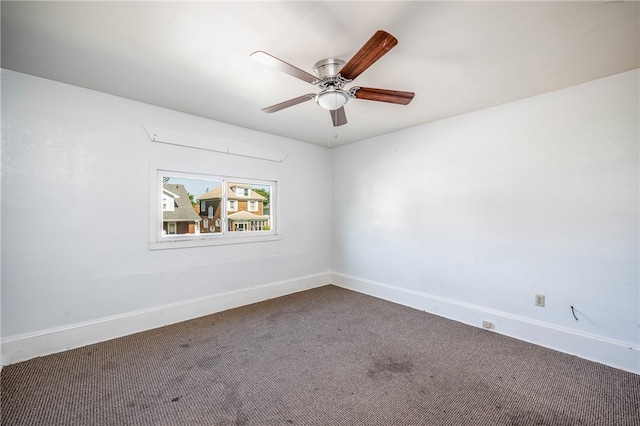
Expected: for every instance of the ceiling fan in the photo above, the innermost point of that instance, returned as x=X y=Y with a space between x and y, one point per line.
x=331 y=75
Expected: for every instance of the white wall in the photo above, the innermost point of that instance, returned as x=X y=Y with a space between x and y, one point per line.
x=76 y=264
x=471 y=216
x=468 y=218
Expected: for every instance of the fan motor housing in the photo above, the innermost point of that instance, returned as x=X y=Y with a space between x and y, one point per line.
x=328 y=67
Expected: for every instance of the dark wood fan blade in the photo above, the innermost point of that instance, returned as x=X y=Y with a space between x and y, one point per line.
x=289 y=103
x=280 y=65
x=379 y=44
x=383 y=95
x=338 y=116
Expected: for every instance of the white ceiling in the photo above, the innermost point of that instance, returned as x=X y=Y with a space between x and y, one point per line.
x=194 y=56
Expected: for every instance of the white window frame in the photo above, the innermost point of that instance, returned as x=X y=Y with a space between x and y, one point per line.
x=170 y=226
x=252 y=205
x=259 y=224
x=159 y=240
x=241 y=191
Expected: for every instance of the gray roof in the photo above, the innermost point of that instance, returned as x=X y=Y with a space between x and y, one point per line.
x=216 y=193
x=184 y=212
x=244 y=215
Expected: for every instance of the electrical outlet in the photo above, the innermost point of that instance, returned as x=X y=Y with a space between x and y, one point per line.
x=540 y=300
x=487 y=324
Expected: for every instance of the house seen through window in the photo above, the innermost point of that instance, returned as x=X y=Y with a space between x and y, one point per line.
x=214 y=207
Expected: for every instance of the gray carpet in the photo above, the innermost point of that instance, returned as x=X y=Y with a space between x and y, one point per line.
x=326 y=356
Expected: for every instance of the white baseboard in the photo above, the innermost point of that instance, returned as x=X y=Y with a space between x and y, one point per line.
x=45 y=342
x=622 y=355
x=615 y=353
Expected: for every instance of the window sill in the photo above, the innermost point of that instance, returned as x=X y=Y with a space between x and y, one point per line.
x=199 y=241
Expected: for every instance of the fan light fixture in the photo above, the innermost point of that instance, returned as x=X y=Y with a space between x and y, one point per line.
x=332 y=74
x=332 y=99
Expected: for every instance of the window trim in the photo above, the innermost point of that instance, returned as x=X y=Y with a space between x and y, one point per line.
x=172 y=226
x=159 y=241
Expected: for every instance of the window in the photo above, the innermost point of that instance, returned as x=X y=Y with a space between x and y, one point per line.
x=197 y=209
x=168 y=203
x=241 y=191
x=171 y=227
x=258 y=225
